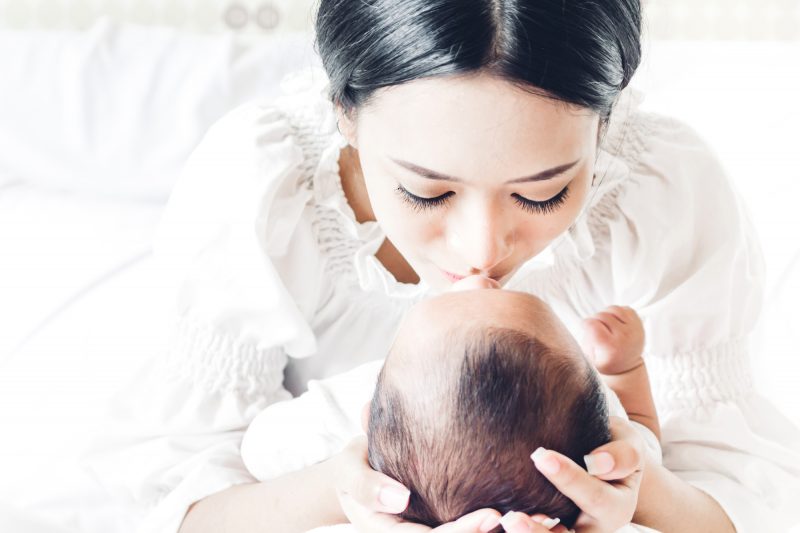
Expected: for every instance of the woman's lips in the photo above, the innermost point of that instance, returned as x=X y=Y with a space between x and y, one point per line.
x=452 y=277
x=475 y=282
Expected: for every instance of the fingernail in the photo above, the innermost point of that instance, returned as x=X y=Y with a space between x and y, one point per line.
x=510 y=519
x=545 y=463
x=489 y=523
x=538 y=452
x=599 y=463
x=550 y=523
x=394 y=498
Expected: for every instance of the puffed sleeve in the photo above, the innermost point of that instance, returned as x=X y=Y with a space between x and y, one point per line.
x=289 y=436
x=674 y=241
x=236 y=245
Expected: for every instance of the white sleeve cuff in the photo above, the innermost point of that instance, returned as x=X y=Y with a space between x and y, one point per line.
x=652 y=446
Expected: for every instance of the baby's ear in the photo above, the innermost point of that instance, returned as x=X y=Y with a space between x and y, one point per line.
x=365 y=417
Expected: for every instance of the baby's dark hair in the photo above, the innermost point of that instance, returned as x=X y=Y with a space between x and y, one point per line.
x=464 y=442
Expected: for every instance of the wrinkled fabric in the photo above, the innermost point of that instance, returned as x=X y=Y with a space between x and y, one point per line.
x=277 y=284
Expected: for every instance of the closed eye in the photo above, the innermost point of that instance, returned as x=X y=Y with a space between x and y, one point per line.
x=420 y=203
x=545 y=207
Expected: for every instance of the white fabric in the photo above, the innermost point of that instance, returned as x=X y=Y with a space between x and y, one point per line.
x=80 y=307
x=277 y=275
x=117 y=109
x=288 y=436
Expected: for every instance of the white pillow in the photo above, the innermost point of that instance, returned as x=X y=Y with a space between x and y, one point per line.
x=118 y=108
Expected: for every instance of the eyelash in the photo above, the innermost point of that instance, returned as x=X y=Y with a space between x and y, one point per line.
x=532 y=206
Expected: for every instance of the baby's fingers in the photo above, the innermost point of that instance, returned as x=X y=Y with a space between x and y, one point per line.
x=596 y=341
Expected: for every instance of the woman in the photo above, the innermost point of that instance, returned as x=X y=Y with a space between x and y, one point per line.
x=475 y=137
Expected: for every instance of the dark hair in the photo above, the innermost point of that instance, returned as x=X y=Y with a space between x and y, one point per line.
x=467 y=445
x=582 y=52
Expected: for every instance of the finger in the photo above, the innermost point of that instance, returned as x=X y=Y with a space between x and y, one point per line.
x=480 y=521
x=596 y=328
x=363 y=518
x=610 y=318
x=622 y=313
x=620 y=458
x=513 y=522
x=596 y=337
x=372 y=489
x=592 y=495
x=379 y=492
x=597 y=323
x=554 y=524
x=596 y=332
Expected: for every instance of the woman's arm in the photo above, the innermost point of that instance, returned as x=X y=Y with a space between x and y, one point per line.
x=263 y=506
x=681 y=250
x=665 y=502
x=662 y=493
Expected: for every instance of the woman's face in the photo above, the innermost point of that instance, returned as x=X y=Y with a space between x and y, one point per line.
x=472 y=175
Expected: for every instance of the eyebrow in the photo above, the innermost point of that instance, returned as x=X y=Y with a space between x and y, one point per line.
x=433 y=175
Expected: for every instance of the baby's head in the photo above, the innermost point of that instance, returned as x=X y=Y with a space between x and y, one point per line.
x=476 y=381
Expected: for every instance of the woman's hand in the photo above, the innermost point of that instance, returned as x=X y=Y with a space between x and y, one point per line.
x=607 y=497
x=370 y=500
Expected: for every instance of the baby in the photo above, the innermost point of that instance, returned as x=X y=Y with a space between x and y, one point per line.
x=475 y=381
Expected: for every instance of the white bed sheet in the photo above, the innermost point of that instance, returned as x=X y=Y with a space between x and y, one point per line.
x=80 y=307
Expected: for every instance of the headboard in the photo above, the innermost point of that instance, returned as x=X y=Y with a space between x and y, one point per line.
x=251 y=17
x=744 y=20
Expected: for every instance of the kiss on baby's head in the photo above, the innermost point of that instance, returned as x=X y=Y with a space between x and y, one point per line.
x=476 y=381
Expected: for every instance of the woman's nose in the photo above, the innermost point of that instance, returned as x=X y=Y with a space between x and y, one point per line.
x=483 y=241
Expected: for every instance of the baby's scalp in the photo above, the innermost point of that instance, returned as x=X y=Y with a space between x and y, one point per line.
x=453 y=318
x=434 y=334
x=465 y=396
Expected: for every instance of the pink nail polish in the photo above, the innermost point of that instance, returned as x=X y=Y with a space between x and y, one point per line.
x=550 y=523
x=599 y=463
x=509 y=520
x=545 y=462
x=394 y=498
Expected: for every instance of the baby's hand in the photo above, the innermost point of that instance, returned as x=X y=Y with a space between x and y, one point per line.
x=614 y=340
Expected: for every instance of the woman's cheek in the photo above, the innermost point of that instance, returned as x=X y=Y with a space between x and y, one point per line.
x=399 y=221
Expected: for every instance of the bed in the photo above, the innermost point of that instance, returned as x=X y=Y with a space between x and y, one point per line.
x=106 y=102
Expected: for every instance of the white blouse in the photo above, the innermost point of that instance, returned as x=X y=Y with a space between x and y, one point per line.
x=277 y=283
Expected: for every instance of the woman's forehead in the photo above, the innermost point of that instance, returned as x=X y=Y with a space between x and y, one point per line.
x=452 y=124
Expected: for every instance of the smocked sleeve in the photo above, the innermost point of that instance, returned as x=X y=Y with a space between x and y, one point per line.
x=675 y=242
x=290 y=436
x=236 y=246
